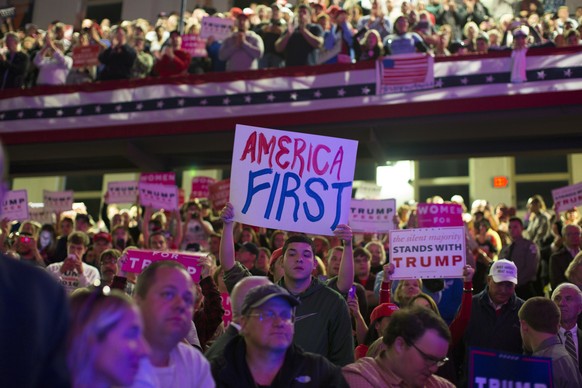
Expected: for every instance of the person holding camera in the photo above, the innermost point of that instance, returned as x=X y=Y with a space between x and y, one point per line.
x=196 y=229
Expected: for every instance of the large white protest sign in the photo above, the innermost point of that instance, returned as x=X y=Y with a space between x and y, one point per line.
x=158 y=196
x=122 y=191
x=58 y=201
x=15 y=205
x=567 y=197
x=372 y=216
x=219 y=28
x=428 y=253
x=291 y=181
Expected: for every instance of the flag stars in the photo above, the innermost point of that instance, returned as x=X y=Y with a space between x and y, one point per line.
x=39 y=113
x=541 y=74
x=181 y=102
x=79 y=111
x=366 y=90
x=439 y=83
x=464 y=80
x=139 y=106
x=60 y=112
x=317 y=94
x=97 y=109
x=2 y=115
x=160 y=104
x=293 y=96
x=341 y=92
x=248 y=99
x=204 y=102
x=271 y=97
x=568 y=73
x=489 y=79
x=226 y=101
x=118 y=108
x=20 y=114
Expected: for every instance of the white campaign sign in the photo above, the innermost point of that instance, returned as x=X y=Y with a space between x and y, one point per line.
x=158 y=196
x=567 y=197
x=122 y=191
x=428 y=253
x=15 y=205
x=58 y=201
x=291 y=181
x=219 y=28
x=372 y=215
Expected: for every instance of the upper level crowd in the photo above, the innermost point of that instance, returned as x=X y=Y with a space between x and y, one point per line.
x=309 y=33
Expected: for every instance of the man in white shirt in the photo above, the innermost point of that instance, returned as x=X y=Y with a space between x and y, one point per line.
x=568 y=297
x=166 y=296
x=72 y=272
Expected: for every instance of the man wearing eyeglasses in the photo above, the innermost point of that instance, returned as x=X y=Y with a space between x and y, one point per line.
x=264 y=354
x=417 y=342
x=323 y=323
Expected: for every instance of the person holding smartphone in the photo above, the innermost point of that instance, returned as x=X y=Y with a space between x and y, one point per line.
x=72 y=272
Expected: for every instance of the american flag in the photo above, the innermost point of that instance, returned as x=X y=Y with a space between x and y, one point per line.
x=414 y=71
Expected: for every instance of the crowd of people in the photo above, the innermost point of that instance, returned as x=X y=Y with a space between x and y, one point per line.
x=308 y=33
x=318 y=310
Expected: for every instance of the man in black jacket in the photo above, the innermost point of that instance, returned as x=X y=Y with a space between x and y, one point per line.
x=265 y=355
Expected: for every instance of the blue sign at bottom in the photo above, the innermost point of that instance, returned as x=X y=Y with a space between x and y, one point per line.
x=491 y=369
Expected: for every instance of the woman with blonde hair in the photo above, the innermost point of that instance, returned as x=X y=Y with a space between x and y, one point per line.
x=106 y=343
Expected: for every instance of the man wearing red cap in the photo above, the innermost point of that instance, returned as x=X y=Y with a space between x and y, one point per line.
x=379 y=320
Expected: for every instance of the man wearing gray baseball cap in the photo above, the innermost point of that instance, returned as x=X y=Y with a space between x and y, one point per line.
x=264 y=353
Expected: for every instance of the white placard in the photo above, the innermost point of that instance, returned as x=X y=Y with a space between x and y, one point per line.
x=567 y=197
x=372 y=215
x=15 y=206
x=122 y=191
x=291 y=181
x=158 y=196
x=428 y=253
x=58 y=201
x=219 y=28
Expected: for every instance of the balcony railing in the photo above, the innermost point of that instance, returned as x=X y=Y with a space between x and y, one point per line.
x=283 y=97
